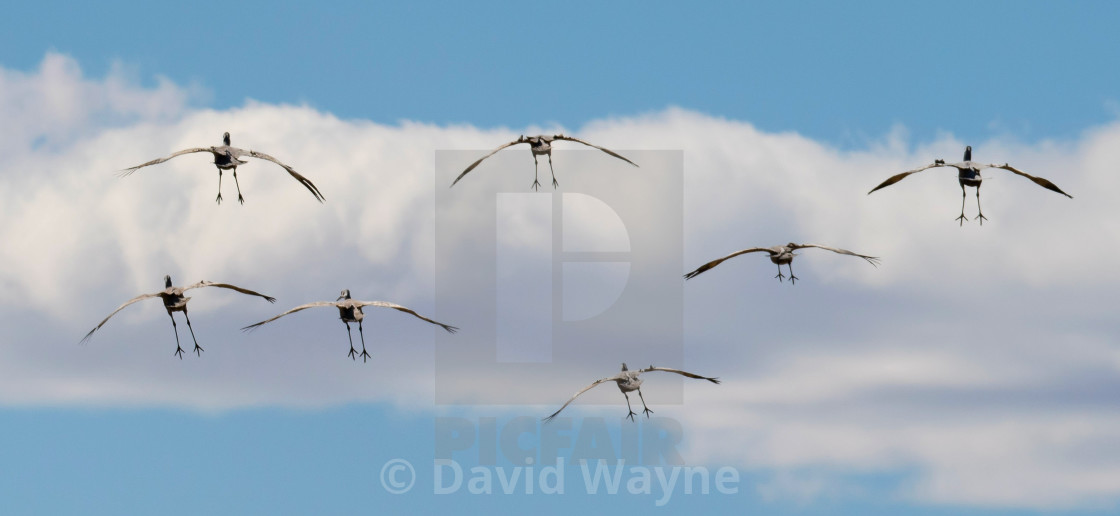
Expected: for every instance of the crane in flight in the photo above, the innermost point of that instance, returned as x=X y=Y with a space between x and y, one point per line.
x=229 y=158
x=350 y=311
x=540 y=145
x=628 y=381
x=968 y=174
x=779 y=255
x=174 y=300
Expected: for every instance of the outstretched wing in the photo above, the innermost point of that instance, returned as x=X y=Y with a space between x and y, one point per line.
x=252 y=327
x=608 y=151
x=870 y=259
x=128 y=171
x=576 y=395
x=899 y=177
x=493 y=152
x=678 y=371
x=1037 y=180
x=713 y=263
x=384 y=304
x=291 y=171
x=205 y=283
x=119 y=308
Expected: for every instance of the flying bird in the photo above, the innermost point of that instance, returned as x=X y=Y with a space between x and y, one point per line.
x=628 y=381
x=229 y=158
x=175 y=301
x=779 y=255
x=350 y=310
x=540 y=145
x=968 y=174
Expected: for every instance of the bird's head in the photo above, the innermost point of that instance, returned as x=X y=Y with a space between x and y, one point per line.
x=624 y=368
x=344 y=295
x=225 y=138
x=968 y=153
x=167 y=281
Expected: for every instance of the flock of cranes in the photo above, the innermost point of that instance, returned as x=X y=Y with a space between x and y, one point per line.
x=227 y=157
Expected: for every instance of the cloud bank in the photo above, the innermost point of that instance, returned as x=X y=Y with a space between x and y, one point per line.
x=981 y=361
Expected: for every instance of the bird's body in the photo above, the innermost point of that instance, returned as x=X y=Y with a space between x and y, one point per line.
x=229 y=158
x=350 y=311
x=629 y=381
x=540 y=145
x=175 y=300
x=779 y=255
x=968 y=174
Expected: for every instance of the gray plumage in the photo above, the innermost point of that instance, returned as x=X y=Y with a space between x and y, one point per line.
x=350 y=310
x=780 y=255
x=174 y=300
x=229 y=158
x=540 y=145
x=628 y=381
x=968 y=174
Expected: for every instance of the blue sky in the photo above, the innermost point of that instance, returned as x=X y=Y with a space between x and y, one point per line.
x=836 y=72
x=972 y=373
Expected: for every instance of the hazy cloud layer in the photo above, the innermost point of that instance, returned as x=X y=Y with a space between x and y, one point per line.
x=982 y=361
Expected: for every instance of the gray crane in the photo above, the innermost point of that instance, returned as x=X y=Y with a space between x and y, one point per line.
x=229 y=158
x=175 y=301
x=779 y=255
x=968 y=174
x=540 y=146
x=628 y=381
x=350 y=310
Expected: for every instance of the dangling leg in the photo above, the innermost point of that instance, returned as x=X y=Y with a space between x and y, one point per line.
x=644 y=407
x=219 y=199
x=197 y=349
x=981 y=216
x=353 y=353
x=554 y=183
x=780 y=275
x=175 y=327
x=631 y=414
x=363 y=336
x=536 y=184
x=239 y=197
x=964 y=196
x=792 y=278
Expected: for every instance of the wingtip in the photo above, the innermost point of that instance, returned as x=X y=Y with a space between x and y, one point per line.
x=451 y=329
x=270 y=299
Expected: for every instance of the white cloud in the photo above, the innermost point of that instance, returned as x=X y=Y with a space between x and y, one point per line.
x=983 y=358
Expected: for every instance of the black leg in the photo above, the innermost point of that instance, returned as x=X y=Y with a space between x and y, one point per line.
x=353 y=353
x=792 y=278
x=240 y=199
x=631 y=414
x=175 y=328
x=536 y=184
x=964 y=196
x=981 y=216
x=554 y=183
x=644 y=407
x=197 y=349
x=363 y=336
x=780 y=275
x=219 y=199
